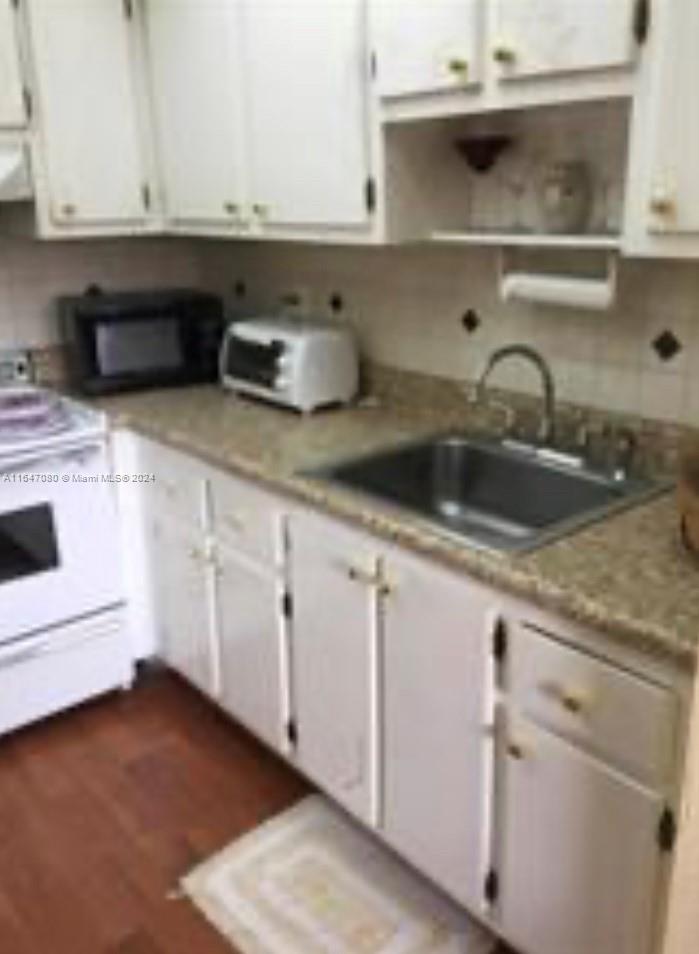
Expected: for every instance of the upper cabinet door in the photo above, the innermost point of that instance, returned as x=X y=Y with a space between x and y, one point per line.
x=666 y=143
x=306 y=69
x=542 y=37
x=194 y=49
x=11 y=100
x=580 y=859
x=427 y=47
x=87 y=111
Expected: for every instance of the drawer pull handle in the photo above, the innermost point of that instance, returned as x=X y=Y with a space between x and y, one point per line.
x=458 y=68
x=574 y=701
x=375 y=580
x=504 y=55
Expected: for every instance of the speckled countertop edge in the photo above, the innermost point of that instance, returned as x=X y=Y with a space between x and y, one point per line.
x=626 y=576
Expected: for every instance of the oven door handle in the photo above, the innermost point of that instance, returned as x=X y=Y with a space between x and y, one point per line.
x=49 y=458
x=25 y=649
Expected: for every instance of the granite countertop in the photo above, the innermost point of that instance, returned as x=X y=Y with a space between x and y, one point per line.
x=626 y=575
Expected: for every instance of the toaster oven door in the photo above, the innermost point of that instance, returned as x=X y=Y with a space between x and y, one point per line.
x=252 y=362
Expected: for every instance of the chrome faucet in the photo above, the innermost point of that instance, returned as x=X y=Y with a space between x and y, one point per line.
x=548 y=423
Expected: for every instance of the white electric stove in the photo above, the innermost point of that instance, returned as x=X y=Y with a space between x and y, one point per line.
x=62 y=633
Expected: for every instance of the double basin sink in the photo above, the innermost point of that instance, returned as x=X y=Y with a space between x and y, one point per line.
x=497 y=495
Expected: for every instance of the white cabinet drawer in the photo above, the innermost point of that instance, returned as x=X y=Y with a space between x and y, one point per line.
x=619 y=716
x=40 y=680
x=179 y=488
x=245 y=519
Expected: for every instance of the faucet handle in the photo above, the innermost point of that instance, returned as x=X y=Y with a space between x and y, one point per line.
x=476 y=398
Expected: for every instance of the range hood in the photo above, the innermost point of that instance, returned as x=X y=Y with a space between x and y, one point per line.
x=15 y=176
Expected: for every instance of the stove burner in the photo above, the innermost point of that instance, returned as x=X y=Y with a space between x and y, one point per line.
x=30 y=413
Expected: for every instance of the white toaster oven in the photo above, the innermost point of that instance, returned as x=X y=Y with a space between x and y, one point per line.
x=303 y=364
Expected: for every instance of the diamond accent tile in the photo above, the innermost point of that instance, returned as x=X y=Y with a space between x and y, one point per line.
x=471 y=321
x=667 y=346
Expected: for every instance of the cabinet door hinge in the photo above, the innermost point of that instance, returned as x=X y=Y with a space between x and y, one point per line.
x=146 y=195
x=128 y=9
x=667 y=830
x=641 y=21
x=492 y=887
x=28 y=102
x=287 y=605
x=292 y=732
x=500 y=640
x=370 y=194
x=373 y=64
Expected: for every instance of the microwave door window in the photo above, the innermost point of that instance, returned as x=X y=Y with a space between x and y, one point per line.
x=132 y=347
x=28 y=543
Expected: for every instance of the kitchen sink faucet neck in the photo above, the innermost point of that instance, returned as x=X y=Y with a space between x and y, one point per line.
x=548 y=426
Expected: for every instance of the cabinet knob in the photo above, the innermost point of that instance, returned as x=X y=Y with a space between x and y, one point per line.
x=662 y=203
x=68 y=209
x=573 y=702
x=504 y=55
x=260 y=210
x=231 y=208
x=458 y=68
x=516 y=751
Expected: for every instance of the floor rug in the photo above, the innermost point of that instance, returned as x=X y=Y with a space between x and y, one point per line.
x=310 y=881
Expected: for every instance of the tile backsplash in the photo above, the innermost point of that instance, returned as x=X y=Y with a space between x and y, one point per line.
x=437 y=310
x=33 y=273
x=429 y=309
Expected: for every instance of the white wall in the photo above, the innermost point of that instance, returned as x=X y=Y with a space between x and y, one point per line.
x=33 y=273
x=407 y=305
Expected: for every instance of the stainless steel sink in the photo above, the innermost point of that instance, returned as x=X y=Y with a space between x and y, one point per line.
x=495 y=495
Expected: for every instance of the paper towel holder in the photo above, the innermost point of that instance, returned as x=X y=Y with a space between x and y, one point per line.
x=568 y=291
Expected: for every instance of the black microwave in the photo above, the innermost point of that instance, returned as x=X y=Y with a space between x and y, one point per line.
x=131 y=340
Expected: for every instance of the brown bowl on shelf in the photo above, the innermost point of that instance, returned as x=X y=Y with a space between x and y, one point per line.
x=688 y=501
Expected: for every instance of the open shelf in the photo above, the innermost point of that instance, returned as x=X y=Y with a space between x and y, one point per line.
x=529 y=240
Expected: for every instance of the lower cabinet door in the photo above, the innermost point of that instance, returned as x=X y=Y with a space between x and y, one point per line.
x=580 y=860
x=436 y=777
x=182 y=596
x=251 y=646
x=334 y=661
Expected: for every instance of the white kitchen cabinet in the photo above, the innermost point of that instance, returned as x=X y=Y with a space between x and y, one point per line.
x=90 y=164
x=662 y=192
x=437 y=754
x=182 y=584
x=252 y=646
x=580 y=859
x=194 y=57
x=427 y=47
x=12 y=112
x=541 y=38
x=306 y=70
x=335 y=666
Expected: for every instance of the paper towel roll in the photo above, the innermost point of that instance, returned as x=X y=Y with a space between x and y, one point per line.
x=593 y=293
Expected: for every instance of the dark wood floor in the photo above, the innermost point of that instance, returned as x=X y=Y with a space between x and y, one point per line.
x=104 y=808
